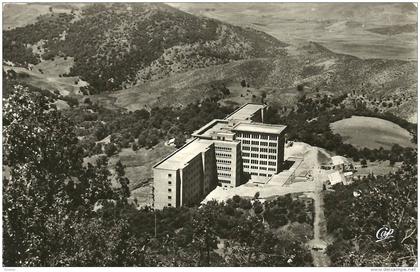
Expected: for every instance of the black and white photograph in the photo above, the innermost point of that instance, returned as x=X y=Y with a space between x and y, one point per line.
x=210 y=134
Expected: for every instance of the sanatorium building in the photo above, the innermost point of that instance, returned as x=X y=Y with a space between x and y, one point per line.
x=224 y=152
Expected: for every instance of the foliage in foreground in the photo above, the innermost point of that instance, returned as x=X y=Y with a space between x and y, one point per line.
x=389 y=200
x=61 y=212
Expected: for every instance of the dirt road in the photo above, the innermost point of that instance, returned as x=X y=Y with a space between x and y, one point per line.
x=318 y=244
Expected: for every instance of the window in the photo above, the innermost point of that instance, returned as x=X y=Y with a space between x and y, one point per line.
x=254 y=161
x=246 y=161
x=223 y=148
x=169 y=182
x=272 y=150
x=169 y=175
x=273 y=144
x=262 y=156
x=273 y=138
x=253 y=155
x=169 y=190
x=169 y=204
x=245 y=154
x=255 y=136
x=255 y=142
x=246 y=141
x=272 y=163
x=271 y=157
x=264 y=149
x=169 y=197
x=265 y=137
x=245 y=147
x=263 y=168
x=264 y=143
x=254 y=149
x=263 y=162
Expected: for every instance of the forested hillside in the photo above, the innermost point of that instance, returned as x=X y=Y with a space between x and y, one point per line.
x=116 y=45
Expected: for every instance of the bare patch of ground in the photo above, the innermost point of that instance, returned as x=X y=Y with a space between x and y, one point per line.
x=371 y=132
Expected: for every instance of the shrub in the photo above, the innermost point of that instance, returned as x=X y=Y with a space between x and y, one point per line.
x=245 y=204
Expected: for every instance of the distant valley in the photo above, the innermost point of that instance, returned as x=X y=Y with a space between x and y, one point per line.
x=342 y=27
x=136 y=64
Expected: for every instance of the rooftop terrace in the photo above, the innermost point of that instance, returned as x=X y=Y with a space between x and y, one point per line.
x=217 y=125
x=260 y=128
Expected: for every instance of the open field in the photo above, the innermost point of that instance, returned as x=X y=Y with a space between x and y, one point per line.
x=192 y=86
x=46 y=75
x=22 y=14
x=341 y=27
x=371 y=132
x=138 y=169
x=376 y=168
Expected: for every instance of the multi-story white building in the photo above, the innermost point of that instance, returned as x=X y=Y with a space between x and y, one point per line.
x=225 y=153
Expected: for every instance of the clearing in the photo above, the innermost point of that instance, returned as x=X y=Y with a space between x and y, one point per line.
x=371 y=132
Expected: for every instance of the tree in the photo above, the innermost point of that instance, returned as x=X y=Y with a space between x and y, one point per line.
x=179 y=140
x=243 y=83
x=245 y=204
x=124 y=190
x=204 y=234
x=48 y=189
x=111 y=149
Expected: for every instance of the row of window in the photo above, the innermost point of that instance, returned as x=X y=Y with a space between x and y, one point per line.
x=224 y=174
x=256 y=155
x=224 y=168
x=261 y=168
x=259 y=136
x=224 y=155
x=262 y=149
x=222 y=148
x=246 y=155
x=224 y=161
x=273 y=163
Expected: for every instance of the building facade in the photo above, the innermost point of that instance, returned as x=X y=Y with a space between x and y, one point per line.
x=262 y=148
x=185 y=177
x=224 y=152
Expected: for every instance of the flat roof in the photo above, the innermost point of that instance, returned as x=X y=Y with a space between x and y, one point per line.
x=217 y=125
x=245 y=112
x=260 y=128
x=183 y=155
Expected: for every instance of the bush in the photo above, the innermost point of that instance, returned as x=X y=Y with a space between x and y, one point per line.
x=236 y=199
x=245 y=204
x=258 y=207
x=110 y=149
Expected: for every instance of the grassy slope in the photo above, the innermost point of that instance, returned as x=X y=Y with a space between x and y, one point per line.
x=371 y=132
x=49 y=79
x=138 y=169
x=19 y=15
x=178 y=80
x=319 y=69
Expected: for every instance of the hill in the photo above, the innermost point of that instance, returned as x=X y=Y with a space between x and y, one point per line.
x=341 y=27
x=128 y=43
x=371 y=132
x=145 y=55
x=311 y=70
